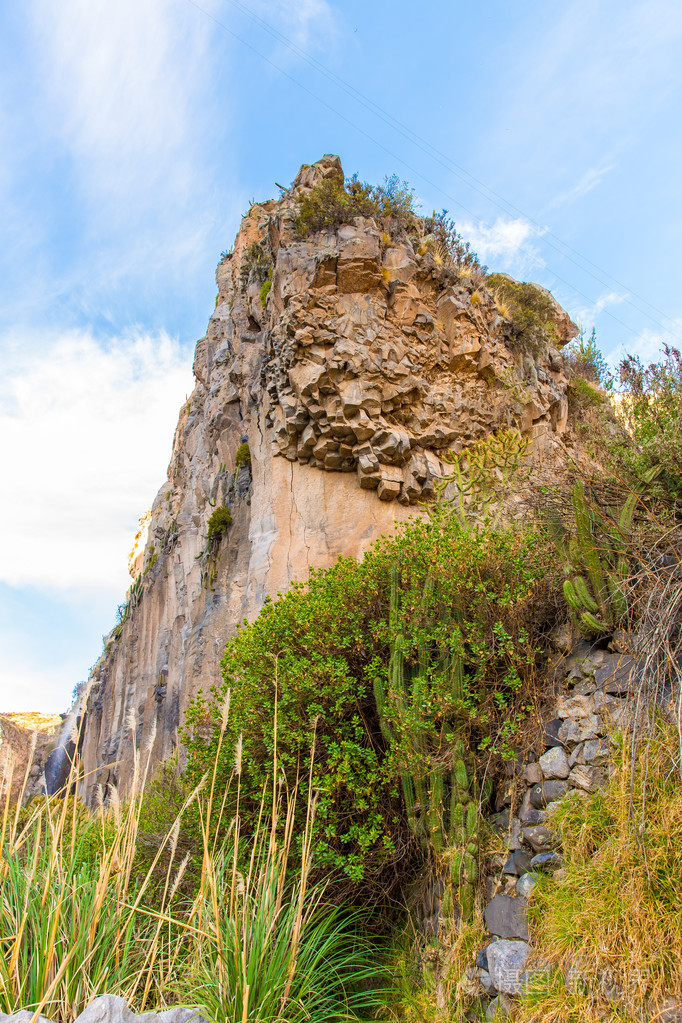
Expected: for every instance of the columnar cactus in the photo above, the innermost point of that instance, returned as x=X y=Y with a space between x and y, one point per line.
x=441 y=800
x=597 y=598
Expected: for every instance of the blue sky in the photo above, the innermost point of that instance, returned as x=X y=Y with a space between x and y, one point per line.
x=134 y=134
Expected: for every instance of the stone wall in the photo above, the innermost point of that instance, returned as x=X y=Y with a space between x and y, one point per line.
x=596 y=694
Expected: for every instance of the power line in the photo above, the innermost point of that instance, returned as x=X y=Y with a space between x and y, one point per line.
x=407 y=132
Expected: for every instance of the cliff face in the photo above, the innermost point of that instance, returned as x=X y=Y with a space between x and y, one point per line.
x=364 y=362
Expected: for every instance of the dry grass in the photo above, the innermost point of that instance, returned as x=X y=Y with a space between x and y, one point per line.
x=609 y=931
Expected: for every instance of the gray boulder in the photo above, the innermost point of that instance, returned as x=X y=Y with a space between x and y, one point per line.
x=485 y=982
x=506 y=917
x=587 y=777
x=547 y=792
x=540 y=838
x=554 y=763
x=549 y=861
x=506 y=964
x=618 y=674
x=107 y=1009
x=517 y=864
x=525 y=885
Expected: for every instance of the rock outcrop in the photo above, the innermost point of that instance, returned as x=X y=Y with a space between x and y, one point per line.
x=336 y=371
x=26 y=742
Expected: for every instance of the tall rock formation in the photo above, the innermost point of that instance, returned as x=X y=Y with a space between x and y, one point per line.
x=348 y=361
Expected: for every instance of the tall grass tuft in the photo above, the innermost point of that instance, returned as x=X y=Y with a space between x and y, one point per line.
x=78 y=917
x=72 y=924
x=269 y=948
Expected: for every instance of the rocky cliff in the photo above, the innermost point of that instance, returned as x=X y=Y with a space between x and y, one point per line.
x=336 y=371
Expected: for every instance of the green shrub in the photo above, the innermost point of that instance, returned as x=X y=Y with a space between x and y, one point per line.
x=265 y=289
x=650 y=407
x=218 y=523
x=583 y=359
x=334 y=202
x=242 y=456
x=531 y=309
x=583 y=395
x=316 y=653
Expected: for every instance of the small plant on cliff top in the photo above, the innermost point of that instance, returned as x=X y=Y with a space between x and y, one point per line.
x=334 y=202
x=449 y=247
x=533 y=313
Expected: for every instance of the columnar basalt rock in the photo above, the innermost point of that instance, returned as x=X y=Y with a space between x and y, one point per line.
x=350 y=362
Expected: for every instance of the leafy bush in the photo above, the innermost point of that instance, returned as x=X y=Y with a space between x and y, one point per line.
x=242 y=456
x=266 y=288
x=583 y=395
x=583 y=359
x=532 y=311
x=219 y=522
x=314 y=655
x=650 y=407
x=334 y=202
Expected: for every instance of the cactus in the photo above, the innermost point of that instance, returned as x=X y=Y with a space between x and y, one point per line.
x=441 y=801
x=481 y=474
x=597 y=598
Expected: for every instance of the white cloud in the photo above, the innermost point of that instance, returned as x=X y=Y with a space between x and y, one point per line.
x=304 y=21
x=123 y=86
x=589 y=180
x=43 y=689
x=506 y=242
x=588 y=314
x=648 y=344
x=87 y=430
